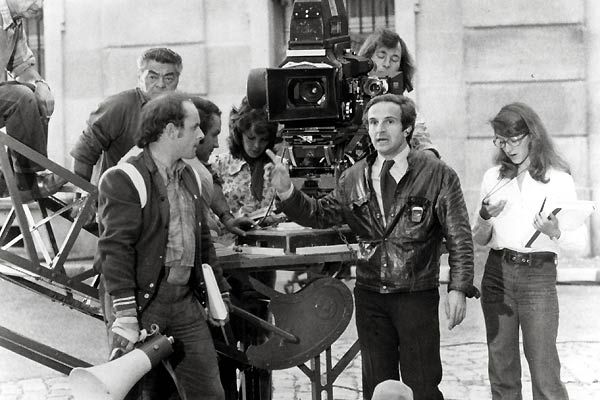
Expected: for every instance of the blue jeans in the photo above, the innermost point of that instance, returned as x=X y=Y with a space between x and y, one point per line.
x=400 y=328
x=521 y=294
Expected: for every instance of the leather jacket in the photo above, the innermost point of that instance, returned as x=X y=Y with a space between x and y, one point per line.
x=402 y=255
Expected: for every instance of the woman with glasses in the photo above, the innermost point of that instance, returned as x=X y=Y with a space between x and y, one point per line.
x=519 y=283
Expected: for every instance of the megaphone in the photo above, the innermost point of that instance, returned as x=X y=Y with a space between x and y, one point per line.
x=114 y=379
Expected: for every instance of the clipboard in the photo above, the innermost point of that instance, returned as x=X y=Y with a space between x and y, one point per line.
x=537 y=233
x=571 y=215
x=574 y=213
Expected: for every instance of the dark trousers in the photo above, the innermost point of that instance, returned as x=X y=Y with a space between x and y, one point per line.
x=257 y=383
x=400 y=328
x=178 y=313
x=20 y=114
x=521 y=295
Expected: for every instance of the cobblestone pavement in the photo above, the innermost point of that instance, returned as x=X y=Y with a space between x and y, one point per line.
x=463 y=351
x=465 y=376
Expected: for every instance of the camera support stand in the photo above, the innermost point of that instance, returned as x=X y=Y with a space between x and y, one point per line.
x=323 y=383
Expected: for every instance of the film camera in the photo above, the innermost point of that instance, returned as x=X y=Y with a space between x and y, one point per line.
x=318 y=93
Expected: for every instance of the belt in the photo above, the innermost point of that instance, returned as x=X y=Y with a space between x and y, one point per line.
x=516 y=257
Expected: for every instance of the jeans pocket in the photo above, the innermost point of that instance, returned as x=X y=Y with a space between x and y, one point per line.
x=492 y=294
x=493 y=286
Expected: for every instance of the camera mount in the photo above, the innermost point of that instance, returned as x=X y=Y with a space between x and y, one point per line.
x=318 y=93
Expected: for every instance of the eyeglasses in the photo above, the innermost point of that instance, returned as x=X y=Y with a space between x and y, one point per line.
x=512 y=141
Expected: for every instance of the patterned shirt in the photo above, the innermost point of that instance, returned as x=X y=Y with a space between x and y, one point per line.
x=236 y=177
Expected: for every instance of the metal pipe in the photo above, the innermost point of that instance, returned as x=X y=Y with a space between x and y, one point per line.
x=290 y=337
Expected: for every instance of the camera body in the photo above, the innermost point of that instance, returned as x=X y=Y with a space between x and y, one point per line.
x=318 y=93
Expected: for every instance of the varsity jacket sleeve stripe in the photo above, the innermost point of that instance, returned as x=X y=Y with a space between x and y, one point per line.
x=120 y=218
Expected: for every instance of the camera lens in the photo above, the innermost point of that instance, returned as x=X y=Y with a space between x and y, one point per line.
x=311 y=91
x=375 y=88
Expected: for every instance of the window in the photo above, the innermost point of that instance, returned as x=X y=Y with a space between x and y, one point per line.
x=364 y=16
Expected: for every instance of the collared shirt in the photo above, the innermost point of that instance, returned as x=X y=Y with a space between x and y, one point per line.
x=209 y=180
x=513 y=227
x=181 y=240
x=398 y=170
x=236 y=179
x=206 y=177
x=13 y=38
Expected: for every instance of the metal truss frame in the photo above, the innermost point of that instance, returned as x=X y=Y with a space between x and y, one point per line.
x=46 y=276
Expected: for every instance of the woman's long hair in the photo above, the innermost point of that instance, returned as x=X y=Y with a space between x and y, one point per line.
x=517 y=119
x=243 y=119
x=247 y=119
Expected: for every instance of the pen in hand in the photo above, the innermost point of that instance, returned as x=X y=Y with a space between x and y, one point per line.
x=542 y=207
x=537 y=232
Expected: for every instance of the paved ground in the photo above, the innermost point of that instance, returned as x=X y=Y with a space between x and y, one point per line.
x=463 y=350
x=465 y=373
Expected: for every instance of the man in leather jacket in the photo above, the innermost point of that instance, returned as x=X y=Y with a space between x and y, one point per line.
x=400 y=245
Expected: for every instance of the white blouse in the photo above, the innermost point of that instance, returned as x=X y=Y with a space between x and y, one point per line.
x=513 y=227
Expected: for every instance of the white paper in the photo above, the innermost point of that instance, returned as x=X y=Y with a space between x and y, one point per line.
x=216 y=305
x=573 y=213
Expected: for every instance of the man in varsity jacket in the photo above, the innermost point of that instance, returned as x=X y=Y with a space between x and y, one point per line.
x=153 y=241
